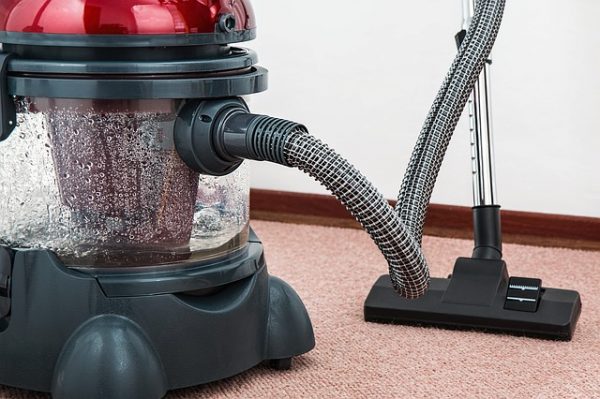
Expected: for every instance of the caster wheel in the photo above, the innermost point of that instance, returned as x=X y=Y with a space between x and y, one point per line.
x=280 y=364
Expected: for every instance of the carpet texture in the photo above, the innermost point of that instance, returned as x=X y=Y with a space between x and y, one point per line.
x=333 y=269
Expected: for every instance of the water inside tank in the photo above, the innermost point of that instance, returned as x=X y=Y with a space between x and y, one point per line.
x=101 y=184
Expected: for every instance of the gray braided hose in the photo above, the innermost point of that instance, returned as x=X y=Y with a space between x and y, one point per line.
x=407 y=266
x=428 y=155
x=397 y=232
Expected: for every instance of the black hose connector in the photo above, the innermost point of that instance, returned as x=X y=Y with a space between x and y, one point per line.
x=197 y=123
x=487 y=232
x=215 y=137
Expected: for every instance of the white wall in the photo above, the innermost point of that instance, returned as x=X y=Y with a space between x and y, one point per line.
x=362 y=75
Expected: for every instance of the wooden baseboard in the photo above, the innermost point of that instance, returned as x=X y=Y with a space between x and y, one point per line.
x=442 y=220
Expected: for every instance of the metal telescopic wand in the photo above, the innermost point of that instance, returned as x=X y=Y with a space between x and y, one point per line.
x=482 y=137
x=486 y=211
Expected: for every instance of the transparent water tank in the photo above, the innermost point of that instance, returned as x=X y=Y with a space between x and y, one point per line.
x=100 y=183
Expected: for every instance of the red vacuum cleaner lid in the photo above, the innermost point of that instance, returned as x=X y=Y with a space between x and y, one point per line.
x=125 y=17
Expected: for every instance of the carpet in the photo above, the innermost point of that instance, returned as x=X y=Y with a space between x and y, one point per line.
x=333 y=269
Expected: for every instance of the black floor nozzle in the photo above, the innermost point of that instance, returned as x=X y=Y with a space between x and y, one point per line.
x=480 y=296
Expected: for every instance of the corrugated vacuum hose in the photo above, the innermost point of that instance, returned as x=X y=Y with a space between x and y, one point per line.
x=227 y=134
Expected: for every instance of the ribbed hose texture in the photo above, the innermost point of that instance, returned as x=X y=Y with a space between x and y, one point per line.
x=428 y=155
x=397 y=232
x=269 y=144
x=407 y=266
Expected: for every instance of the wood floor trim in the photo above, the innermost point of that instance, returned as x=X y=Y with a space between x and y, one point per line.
x=442 y=220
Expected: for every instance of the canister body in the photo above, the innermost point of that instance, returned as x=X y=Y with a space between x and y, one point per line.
x=100 y=183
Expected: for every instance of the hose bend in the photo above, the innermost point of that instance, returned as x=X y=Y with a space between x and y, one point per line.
x=214 y=138
x=407 y=265
x=283 y=142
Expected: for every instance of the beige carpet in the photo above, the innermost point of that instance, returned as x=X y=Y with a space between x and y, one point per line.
x=333 y=270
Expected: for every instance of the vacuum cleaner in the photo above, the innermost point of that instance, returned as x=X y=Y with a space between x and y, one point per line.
x=127 y=264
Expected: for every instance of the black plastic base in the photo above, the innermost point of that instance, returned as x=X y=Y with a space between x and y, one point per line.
x=76 y=336
x=475 y=297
